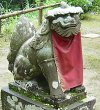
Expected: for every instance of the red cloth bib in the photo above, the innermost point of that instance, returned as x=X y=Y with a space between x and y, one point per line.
x=68 y=60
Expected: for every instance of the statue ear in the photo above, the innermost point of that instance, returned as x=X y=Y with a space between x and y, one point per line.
x=41 y=35
x=45 y=27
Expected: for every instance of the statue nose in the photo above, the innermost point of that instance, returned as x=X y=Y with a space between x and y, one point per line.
x=72 y=20
x=69 y=19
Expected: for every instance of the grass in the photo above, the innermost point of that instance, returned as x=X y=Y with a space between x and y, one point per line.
x=91 y=46
x=91 y=53
x=93 y=62
x=91 y=24
x=4 y=42
x=92 y=43
x=8 y=24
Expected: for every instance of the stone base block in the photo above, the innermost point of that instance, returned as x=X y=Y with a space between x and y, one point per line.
x=13 y=101
x=74 y=95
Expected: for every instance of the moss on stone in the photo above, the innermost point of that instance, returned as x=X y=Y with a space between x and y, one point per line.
x=45 y=99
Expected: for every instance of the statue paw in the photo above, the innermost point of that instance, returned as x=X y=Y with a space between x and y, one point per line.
x=78 y=89
x=28 y=85
x=58 y=97
x=57 y=94
x=31 y=85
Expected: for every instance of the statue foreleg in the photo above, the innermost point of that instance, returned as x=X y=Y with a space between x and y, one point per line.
x=48 y=68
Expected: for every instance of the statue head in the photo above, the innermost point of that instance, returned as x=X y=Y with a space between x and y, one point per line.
x=65 y=20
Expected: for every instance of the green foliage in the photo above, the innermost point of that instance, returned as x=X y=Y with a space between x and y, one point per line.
x=96 y=6
x=1 y=9
x=85 y=16
x=27 y=4
x=8 y=25
x=9 y=5
x=53 y=1
x=85 y=4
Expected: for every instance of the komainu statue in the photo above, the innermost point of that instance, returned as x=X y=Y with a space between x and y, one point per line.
x=51 y=54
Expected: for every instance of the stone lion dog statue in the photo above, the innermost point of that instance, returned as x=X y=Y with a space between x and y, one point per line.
x=52 y=52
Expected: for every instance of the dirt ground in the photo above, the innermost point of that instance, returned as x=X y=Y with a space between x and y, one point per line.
x=91 y=58
x=5 y=75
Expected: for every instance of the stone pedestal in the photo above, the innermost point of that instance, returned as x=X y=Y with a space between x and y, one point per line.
x=14 y=101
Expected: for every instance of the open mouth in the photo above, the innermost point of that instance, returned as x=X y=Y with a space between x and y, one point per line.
x=69 y=25
x=66 y=30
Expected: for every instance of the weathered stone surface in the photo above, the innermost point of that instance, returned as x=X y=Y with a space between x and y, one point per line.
x=74 y=95
x=14 y=101
x=85 y=104
x=23 y=31
x=32 y=53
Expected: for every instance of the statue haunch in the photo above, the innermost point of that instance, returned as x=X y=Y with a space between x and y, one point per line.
x=31 y=51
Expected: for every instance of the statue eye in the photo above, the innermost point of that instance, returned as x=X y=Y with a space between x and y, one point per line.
x=72 y=14
x=57 y=16
x=65 y=16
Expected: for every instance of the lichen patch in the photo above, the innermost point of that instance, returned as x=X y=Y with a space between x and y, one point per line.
x=55 y=84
